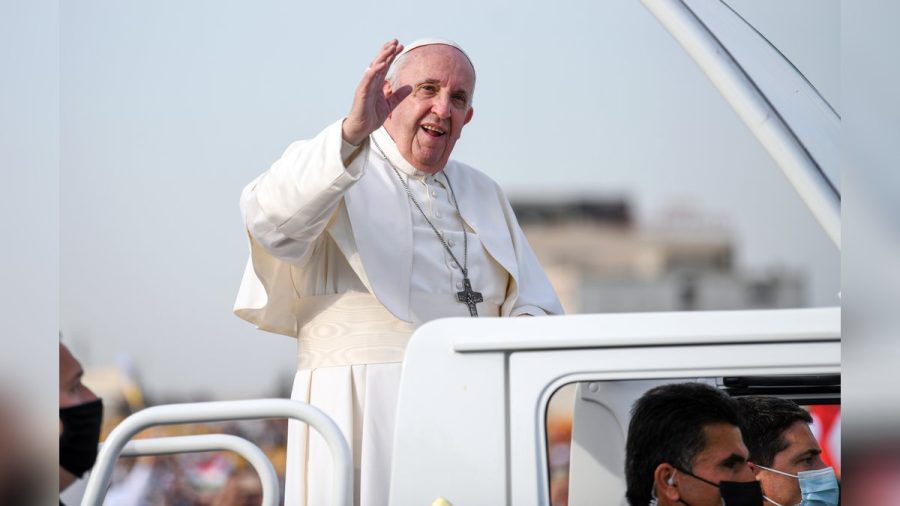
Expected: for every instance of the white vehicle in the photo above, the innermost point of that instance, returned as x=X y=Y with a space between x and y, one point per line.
x=472 y=412
x=472 y=415
x=471 y=420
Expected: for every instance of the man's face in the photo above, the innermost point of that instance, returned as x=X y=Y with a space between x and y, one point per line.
x=427 y=123
x=723 y=459
x=71 y=391
x=802 y=454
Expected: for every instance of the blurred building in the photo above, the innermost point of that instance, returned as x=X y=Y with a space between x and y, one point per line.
x=600 y=260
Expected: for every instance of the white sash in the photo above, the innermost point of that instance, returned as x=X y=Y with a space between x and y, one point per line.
x=354 y=328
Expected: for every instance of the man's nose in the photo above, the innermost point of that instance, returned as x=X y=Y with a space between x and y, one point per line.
x=441 y=106
x=746 y=474
x=88 y=395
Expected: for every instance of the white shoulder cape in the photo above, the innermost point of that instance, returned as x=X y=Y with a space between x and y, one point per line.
x=371 y=225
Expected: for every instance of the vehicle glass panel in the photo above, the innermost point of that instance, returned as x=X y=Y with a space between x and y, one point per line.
x=806 y=32
x=588 y=466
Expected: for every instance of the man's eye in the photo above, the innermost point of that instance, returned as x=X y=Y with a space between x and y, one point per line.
x=430 y=88
x=458 y=100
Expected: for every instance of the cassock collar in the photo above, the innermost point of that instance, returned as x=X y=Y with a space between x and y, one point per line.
x=384 y=140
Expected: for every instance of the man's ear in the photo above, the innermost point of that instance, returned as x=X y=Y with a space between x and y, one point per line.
x=469 y=114
x=388 y=91
x=666 y=483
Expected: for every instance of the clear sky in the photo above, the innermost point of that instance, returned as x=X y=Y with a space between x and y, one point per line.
x=168 y=108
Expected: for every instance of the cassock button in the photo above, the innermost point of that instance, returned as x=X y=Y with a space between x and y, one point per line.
x=451 y=243
x=459 y=285
x=454 y=265
x=433 y=193
x=437 y=214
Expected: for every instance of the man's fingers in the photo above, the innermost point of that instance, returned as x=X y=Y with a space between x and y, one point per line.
x=374 y=77
x=386 y=51
x=369 y=95
x=397 y=51
x=366 y=82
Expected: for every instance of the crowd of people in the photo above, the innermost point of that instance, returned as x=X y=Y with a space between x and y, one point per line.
x=185 y=479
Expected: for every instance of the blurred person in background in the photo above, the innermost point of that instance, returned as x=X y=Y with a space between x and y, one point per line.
x=80 y=417
x=684 y=446
x=20 y=467
x=242 y=489
x=784 y=454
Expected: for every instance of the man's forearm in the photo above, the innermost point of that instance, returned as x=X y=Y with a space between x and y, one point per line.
x=287 y=208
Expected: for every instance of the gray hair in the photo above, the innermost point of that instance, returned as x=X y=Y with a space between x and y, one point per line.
x=394 y=70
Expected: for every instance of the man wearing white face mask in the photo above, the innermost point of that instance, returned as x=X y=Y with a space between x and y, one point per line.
x=785 y=455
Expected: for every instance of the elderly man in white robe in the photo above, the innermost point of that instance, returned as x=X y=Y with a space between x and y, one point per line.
x=367 y=231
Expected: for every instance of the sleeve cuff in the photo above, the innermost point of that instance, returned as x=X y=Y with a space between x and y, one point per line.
x=348 y=152
x=529 y=310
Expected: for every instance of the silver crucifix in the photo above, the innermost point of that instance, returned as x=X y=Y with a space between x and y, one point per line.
x=469 y=297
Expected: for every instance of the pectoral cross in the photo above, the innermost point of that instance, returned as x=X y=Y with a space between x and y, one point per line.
x=469 y=297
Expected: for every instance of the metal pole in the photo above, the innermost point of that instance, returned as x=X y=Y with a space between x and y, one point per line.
x=342 y=482
x=752 y=107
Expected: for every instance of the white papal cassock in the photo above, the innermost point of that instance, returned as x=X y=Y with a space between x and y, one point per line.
x=342 y=260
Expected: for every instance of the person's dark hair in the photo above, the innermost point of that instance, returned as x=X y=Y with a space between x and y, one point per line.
x=763 y=422
x=667 y=425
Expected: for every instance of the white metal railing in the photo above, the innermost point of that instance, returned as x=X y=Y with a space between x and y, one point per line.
x=342 y=465
x=207 y=443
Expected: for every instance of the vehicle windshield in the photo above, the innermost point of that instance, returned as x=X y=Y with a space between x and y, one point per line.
x=587 y=423
x=816 y=53
x=807 y=35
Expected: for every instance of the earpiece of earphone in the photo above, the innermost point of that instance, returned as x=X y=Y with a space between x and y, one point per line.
x=671 y=480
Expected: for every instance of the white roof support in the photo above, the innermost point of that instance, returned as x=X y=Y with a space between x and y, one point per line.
x=751 y=105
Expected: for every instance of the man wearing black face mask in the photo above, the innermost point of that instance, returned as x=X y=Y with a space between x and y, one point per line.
x=684 y=447
x=80 y=415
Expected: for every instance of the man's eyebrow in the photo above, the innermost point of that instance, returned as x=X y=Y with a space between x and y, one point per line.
x=438 y=82
x=734 y=458
x=812 y=452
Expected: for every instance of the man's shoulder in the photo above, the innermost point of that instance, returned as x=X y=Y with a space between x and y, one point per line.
x=469 y=175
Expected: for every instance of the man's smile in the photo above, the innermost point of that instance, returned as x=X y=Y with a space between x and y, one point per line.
x=433 y=130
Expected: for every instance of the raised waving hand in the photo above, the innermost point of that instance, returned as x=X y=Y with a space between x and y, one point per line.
x=370 y=105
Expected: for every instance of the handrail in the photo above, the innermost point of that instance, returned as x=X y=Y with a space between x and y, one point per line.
x=212 y=442
x=342 y=465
